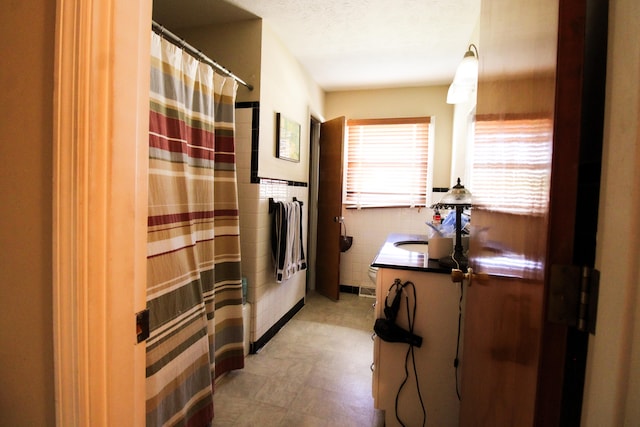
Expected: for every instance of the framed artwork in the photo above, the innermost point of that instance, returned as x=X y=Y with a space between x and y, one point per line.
x=287 y=139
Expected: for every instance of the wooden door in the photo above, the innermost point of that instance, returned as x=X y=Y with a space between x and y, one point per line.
x=517 y=366
x=329 y=208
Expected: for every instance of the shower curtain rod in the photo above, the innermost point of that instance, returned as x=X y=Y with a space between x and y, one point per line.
x=163 y=32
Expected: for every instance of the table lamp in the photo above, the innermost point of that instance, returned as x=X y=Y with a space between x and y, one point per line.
x=458 y=198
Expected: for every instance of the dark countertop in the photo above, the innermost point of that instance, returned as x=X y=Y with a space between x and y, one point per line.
x=390 y=256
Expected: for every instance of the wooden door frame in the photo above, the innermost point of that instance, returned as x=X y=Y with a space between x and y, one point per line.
x=101 y=107
x=577 y=160
x=312 y=233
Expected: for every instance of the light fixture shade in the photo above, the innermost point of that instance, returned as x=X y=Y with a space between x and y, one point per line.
x=458 y=93
x=467 y=71
x=465 y=79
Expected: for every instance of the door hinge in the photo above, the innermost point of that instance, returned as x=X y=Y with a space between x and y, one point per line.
x=573 y=296
x=142 y=325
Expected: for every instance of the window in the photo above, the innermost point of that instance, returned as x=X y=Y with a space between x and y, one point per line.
x=512 y=164
x=387 y=162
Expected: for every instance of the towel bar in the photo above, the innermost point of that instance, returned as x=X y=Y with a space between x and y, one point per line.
x=272 y=203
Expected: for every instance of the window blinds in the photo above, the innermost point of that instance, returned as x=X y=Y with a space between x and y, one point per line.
x=387 y=162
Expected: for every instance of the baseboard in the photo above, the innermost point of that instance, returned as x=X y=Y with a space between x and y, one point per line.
x=259 y=343
x=347 y=289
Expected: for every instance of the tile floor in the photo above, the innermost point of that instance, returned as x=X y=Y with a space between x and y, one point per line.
x=314 y=372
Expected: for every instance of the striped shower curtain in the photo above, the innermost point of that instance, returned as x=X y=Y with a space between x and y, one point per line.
x=194 y=285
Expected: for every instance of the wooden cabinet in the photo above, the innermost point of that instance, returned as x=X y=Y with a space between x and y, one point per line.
x=436 y=321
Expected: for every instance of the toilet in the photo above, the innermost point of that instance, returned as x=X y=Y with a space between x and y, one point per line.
x=370 y=291
x=373 y=273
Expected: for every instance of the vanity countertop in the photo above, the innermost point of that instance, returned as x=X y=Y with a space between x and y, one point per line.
x=391 y=256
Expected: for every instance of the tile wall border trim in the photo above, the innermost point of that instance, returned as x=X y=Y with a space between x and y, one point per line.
x=255 y=346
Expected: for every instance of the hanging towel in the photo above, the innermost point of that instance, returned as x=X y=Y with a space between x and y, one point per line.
x=286 y=240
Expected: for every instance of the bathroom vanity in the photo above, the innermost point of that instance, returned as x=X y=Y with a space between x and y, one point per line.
x=436 y=321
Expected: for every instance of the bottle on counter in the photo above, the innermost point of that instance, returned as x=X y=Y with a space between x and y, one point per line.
x=437 y=218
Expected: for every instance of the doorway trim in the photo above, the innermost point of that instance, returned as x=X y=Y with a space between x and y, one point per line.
x=101 y=98
x=312 y=238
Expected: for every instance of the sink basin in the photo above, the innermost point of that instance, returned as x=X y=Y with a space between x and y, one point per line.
x=420 y=246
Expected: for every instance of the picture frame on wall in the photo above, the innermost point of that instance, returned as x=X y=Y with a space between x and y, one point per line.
x=287 y=139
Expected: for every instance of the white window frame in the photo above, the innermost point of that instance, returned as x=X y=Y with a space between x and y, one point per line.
x=358 y=196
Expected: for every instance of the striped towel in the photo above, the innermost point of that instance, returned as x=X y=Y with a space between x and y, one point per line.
x=286 y=240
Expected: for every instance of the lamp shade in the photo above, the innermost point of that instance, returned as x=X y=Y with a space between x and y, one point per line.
x=455 y=197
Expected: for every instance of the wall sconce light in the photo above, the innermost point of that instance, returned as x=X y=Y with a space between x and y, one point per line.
x=466 y=77
x=458 y=198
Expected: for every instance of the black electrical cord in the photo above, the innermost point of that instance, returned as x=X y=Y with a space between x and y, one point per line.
x=456 y=361
x=404 y=381
x=411 y=318
x=400 y=288
x=415 y=370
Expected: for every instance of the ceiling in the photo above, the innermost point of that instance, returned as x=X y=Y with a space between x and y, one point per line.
x=350 y=44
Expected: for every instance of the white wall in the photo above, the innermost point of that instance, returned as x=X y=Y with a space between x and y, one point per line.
x=286 y=89
x=370 y=227
x=613 y=366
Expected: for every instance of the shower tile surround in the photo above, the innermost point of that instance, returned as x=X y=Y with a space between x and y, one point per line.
x=271 y=301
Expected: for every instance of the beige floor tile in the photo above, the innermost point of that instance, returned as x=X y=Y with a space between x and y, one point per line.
x=279 y=392
x=240 y=384
x=296 y=419
x=314 y=372
x=262 y=415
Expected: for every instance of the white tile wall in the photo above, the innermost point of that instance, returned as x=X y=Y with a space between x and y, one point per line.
x=370 y=228
x=270 y=301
